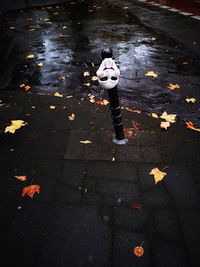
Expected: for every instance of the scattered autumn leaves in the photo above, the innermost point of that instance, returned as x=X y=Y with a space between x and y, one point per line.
x=28 y=190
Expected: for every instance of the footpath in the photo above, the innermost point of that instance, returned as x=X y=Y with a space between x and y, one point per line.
x=97 y=201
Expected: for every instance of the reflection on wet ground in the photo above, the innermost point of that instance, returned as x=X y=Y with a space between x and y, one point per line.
x=66 y=40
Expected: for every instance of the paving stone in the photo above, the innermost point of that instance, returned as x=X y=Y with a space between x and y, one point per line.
x=167 y=225
x=120 y=191
x=100 y=149
x=157 y=198
x=130 y=219
x=73 y=173
x=190 y=221
x=78 y=237
x=124 y=242
x=145 y=137
x=180 y=184
x=113 y=170
x=195 y=170
x=168 y=254
x=91 y=198
x=67 y=195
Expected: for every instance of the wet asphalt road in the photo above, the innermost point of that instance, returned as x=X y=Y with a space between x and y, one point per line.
x=67 y=40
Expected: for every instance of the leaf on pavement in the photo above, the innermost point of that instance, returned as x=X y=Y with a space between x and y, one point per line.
x=31 y=190
x=138 y=251
x=86 y=73
x=133 y=110
x=30 y=56
x=190 y=100
x=71 y=117
x=94 y=78
x=85 y=142
x=164 y=125
x=151 y=74
x=21 y=178
x=27 y=87
x=91 y=98
x=102 y=102
x=58 y=95
x=158 y=175
x=172 y=86
x=40 y=64
x=168 y=117
x=15 y=125
x=154 y=115
x=87 y=84
x=136 y=206
x=190 y=125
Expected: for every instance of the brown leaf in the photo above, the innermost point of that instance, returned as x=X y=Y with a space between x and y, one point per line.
x=31 y=190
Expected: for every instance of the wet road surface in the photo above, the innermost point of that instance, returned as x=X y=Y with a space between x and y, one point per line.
x=66 y=40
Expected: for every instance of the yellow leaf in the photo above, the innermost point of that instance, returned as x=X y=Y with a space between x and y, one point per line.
x=87 y=84
x=168 y=117
x=191 y=100
x=72 y=117
x=94 y=78
x=58 y=95
x=85 y=142
x=15 y=125
x=30 y=56
x=86 y=73
x=172 y=86
x=158 y=175
x=40 y=64
x=21 y=178
x=190 y=125
x=164 y=125
x=151 y=74
x=52 y=107
x=27 y=87
x=154 y=115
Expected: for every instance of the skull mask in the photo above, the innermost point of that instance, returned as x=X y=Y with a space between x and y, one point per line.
x=108 y=74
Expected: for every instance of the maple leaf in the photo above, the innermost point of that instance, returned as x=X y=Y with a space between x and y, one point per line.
x=151 y=74
x=102 y=102
x=31 y=190
x=172 y=86
x=168 y=117
x=190 y=100
x=190 y=125
x=15 y=125
x=58 y=95
x=72 y=117
x=85 y=142
x=86 y=73
x=158 y=175
x=27 y=87
x=21 y=178
x=164 y=124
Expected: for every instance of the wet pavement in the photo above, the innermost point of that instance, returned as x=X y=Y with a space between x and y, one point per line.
x=67 y=40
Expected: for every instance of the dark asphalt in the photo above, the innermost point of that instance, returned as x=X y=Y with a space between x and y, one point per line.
x=84 y=214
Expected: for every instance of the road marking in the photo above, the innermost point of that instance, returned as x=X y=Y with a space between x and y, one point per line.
x=185 y=13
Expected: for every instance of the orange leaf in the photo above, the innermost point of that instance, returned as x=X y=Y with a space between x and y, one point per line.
x=21 y=178
x=136 y=206
x=31 y=190
x=102 y=102
x=190 y=125
x=138 y=251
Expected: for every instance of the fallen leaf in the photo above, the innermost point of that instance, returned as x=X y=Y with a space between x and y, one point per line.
x=136 y=206
x=40 y=64
x=87 y=84
x=64 y=27
x=85 y=142
x=129 y=132
x=52 y=107
x=102 y=102
x=69 y=96
x=133 y=110
x=138 y=251
x=21 y=178
x=172 y=86
x=30 y=56
x=27 y=87
x=154 y=115
x=58 y=95
x=185 y=62
x=153 y=39
x=164 y=125
x=94 y=78
x=62 y=78
x=168 y=117
x=12 y=28
x=72 y=117
x=31 y=190
x=190 y=100
x=151 y=74
x=190 y=125
x=86 y=73
x=15 y=125
x=91 y=98
x=158 y=175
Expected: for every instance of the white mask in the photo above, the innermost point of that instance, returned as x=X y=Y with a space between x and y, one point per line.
x=108 y=74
